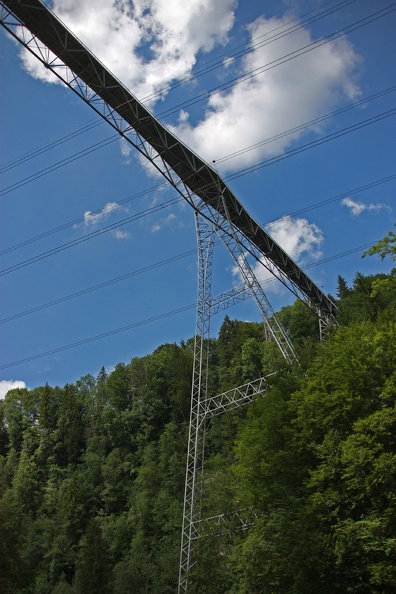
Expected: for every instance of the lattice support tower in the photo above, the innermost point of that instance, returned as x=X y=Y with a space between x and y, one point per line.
x=202 y=407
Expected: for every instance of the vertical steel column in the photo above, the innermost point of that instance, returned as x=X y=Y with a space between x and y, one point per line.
x=274 y=329
x=196 y=437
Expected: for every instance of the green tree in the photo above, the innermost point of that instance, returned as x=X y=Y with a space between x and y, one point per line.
x=384 y=247
x=299 y=321
x=14 y=568
x=342 y=288
x=70 y=431
x=92 y=568
x=345 y=417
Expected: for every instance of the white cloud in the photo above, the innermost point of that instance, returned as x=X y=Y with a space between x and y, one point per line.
x=299 y=238
x=147 y=43
x=126 y=149
x=6 y=385
x=161 y=223
x=120 y=234
x=156 y=227
x=356 y=208
x=91 y=218
x=274 y=101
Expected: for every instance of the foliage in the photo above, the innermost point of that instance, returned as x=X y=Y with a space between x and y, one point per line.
x=92 y=474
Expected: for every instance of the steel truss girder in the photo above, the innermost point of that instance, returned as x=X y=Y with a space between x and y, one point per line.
x=237 y=520
x=234 y=398
x=45 y=36
x=232 y=239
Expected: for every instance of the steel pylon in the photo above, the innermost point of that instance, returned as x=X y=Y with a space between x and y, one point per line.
x=203 y=407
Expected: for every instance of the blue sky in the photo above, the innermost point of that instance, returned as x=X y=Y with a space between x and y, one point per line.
x=61 y=167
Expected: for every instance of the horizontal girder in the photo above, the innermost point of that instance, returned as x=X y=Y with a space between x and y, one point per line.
x=234 y=398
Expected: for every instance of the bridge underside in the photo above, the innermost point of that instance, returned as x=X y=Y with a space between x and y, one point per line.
x=43 y=34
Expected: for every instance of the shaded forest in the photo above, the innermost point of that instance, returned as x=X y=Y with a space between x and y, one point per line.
x=92 y=473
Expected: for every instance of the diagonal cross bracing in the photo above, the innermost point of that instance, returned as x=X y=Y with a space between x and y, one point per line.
x=40 y=31
x=217 y=405
x=237 y=520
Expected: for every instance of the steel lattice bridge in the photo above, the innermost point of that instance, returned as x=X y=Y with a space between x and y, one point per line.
x=218 y=213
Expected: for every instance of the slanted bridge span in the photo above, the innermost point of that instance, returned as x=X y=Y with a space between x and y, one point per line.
x=199 y=178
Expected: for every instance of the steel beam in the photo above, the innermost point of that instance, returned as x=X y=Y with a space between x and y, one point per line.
x=43 y=34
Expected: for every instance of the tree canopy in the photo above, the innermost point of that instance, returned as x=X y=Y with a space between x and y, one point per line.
x=92 y=473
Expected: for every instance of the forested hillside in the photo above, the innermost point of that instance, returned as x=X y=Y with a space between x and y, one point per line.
x=92 y=473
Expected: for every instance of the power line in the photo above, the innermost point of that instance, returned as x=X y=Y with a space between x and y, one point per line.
x=82 y=219
x=91 y=235
x=218 y=89
x=59 y=164
x=188 y=77
x=157 y=317
x=312 y=144
x=101 y=336
x=266 y=38
x=107 y=283
x=336 y=198
x=45 y=148
x=301 y=127
x=283 y=60
x=245 y=171
x=100 y=285
x=306 y=125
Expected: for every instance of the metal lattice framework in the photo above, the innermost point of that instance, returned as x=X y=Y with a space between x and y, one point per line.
x=204 y=408
x=33 y=24
x=218 y=213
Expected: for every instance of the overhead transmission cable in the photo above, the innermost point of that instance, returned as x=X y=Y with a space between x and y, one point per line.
x=59 y=164
x=260 y=41
x=161 y=316
x=100 y=285
x=282 y=60
x=132 y=197
x=352 y=192
x=21 y=160
x=218 y=89
x=306 y=125
x=312 y=144
x=155 y=265
x=252 y=168
x=81 y=220
x=186 y=77
x=168 y=203
x=106 y=229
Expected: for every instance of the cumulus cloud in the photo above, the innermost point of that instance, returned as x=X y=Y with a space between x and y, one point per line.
x=273 y=101
x=91 y=218
x=126 y=149
x=120 y=234
x=6 y=385
x=301 y=239
x=356 y=207
x=161 y=223
x=146 y=44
